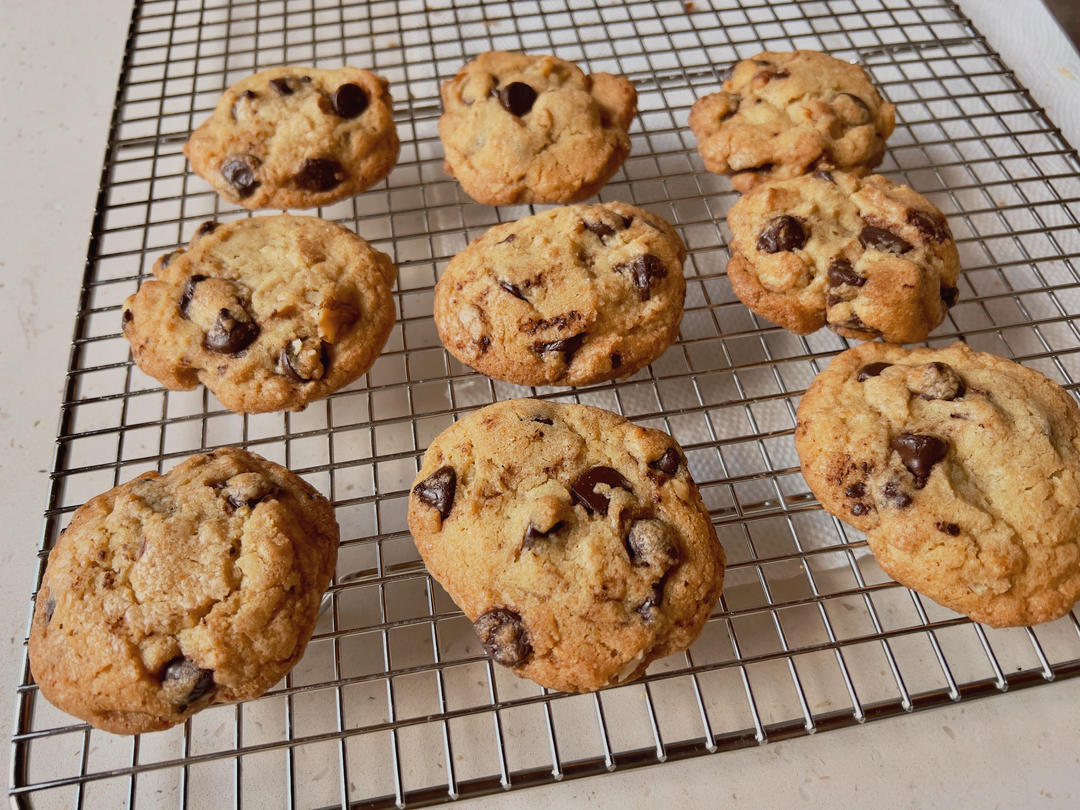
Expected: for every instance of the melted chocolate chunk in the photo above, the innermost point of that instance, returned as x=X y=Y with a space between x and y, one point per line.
x=652 y=543
x=207 y=227
x=781 y=234
x=300 y=364
x=183 y=682
x=871 y=370
x=507 y=240
x=239 y=172
x=229 y=335
x=188 y=293
x=601 y=229
x=566 y=346
x=821 y=174
x=438 y=489
x=167 y=259
x=920 y=453
x=319 y=174
x=880 y=239
x=583 y=488
x=349 y=100
x=937 y=381
x=858 y=102
x=948 y=528
x=247 y=94
x=928 y=225
x=643 y=270
x=513 y=289
x=856 y=490
x=895 y=495
x=517 y=98
x=651 y=606
x=543 y=420
x=504 y=636
x=533 y=536
x=484 y=343
x=841 y=272
x=668 y=463
x=127 y=317
x=949 y=295
x=282 y=86
x=616 y=360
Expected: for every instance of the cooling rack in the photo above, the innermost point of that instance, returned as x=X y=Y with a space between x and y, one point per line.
x=394 y=702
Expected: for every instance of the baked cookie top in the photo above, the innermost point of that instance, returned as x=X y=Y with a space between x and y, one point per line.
x=868 y=257
x=570 y=296
x=575 y=541
x=297 y=137
x=962 y=468
x=534 y=129
x=784 y=114
x=269 y=313
x=172 y=592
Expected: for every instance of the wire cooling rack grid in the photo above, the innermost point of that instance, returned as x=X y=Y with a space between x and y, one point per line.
x=394 y=702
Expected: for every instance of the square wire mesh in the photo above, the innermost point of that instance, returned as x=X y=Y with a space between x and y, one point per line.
x=395 y=702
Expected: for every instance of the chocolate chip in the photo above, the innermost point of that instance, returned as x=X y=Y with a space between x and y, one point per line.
x=239 y=172
x=652 y=543
x=895 y=495
x=349 y=100
x=508 y=239
x=616 y=360
x=437 y=490
x=856 y=490
x=127 y=317
x=651 y=606
x=920 y=453
x=643 y=270
x=948 y=528
x=821 y=174
x=504 y=636
x=50 y=608
x=781 y=234
x=886 y=241
x=301 y=361
x=543 y=420
x=167 y=259
x=484 y=343
x=319 y=174
x=513 y=289
x=858 y=102
x=856 y=324
x=229 y=335
x=930 y=226
x=567 y=346
x=282 y=86
x=667 y=463
x=533 y=536
x=860 y=509
x=207 y=227
x=871 y=370
x=936 y=381
x=841 y=272
x=517 y=97
x=184 y=682
x=731 y=111
x=601 y=229
x=949 y=295
x=628 y=221
x=583 y=488
x=188 y=293
x=247 y=94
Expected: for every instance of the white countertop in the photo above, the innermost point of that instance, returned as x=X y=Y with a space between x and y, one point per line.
x=60 y=61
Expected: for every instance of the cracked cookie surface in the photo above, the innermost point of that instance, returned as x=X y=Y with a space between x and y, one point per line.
x=297 y=137
x=866 y=257
x=785 y=114
x=962 y=468
x=575 y=541
x=570 y=296
x=269 y=313
x=534 y=129
x=173 y=592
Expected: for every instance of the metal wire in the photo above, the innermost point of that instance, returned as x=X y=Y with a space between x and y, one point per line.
x=395 y=703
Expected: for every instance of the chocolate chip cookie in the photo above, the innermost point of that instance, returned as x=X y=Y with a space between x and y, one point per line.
x=868 y=257
x=570 y=296
x=534 y=129
x=268 y=313
x=575 y=541
x=962 y=468
x=297 y=137
x=780 y=115
x=173 y=592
